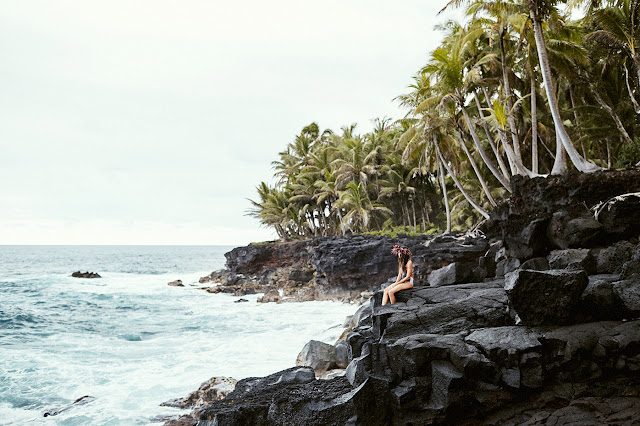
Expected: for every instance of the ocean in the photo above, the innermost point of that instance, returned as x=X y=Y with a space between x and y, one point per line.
x=128 y=339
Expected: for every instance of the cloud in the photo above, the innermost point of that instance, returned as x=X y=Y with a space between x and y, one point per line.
x=165 y=115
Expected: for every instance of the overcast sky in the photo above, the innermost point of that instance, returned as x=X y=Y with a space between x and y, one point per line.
x=152 y=121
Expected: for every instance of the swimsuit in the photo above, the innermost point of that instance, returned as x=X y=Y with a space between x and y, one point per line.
x=404 y=275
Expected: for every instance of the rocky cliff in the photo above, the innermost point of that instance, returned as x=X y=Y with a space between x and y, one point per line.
x=537 y=327
x=340 y=268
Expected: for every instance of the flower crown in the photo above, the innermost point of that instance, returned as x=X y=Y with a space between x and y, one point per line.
x=397 y=250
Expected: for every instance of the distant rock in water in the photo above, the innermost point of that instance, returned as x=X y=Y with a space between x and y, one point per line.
x=176 y=283
x=80 y=401
x=79 y=274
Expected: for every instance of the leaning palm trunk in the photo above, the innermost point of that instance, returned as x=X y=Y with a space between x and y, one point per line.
x=560 y=162
x=480 y=210
x=503 y=167
x=636 y=61
x=534 y=126
x=633 y=98
x=505 y=143
x=475 y=169
x=580 y=163
x=481 y=150
x=507 y=93
x=612 y=113
x=444 y=193
x=517 y=165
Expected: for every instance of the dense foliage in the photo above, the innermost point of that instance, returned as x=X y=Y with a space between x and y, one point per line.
x=518 y=88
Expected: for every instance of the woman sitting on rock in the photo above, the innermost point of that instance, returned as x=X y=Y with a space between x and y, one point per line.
x=405 y=274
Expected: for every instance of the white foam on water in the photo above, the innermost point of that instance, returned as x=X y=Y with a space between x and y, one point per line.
x=132 y=342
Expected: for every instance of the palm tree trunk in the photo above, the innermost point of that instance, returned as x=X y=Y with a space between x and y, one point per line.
x=575 y=117
x=560 y=163
x=633 y=98
x=413 y=206
x=613 y=115
x=475 y=169
x=503 y=167
x=636 y=61
x=534 y=125
x=507 y=90
x=505 y=144
x=481 y=150
x=580 y=163
x=406 y=209
x=517 y=166
x=444 y=193
x=480 y=210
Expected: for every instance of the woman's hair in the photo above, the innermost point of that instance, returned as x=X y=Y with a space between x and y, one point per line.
x=403 y=258
x=404 y=254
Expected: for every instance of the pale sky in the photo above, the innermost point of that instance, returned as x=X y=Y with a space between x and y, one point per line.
x=152 y=121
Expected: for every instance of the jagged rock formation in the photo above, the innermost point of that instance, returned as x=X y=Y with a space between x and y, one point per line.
x=543 y=330
x=341 y=268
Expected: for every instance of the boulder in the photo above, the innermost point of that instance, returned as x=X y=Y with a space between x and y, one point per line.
x=631 y=268
x=319 y=356
x=507 y=265
x=610 y=260
x=628 y=293
x=443 y=310
x=532 y=240
x=572 y=259
x=620 y=216
x=272 y=295
x=176 y=283
x=537 y=264
x=214 y=389
x=545 y=297
x=453 y=273
x=599 y=300
x=254 y=396
x=446 y=380
x=516 y=349
x=341 y=354
x=565 y=231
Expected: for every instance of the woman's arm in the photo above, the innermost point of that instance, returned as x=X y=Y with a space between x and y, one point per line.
x=399 y=277
x=409 y=274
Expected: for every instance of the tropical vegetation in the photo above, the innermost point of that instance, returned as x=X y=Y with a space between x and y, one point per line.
x=521 y=87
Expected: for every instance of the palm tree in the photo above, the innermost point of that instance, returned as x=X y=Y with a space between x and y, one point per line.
x=537 y=10
x=619 y=30
x=360 y=210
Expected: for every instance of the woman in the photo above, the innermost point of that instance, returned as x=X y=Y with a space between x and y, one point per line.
x=405 y=274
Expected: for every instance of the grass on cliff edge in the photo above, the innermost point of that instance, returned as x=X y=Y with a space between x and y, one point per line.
x=395 y=232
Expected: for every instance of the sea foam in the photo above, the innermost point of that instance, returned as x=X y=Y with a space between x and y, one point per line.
x=130 y=340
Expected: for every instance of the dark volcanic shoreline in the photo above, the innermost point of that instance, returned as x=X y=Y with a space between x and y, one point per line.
x=338 y=268
x=533 y=322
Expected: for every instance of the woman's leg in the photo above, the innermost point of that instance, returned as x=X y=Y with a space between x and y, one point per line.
x=397 y=288
x=385 y=296
x=385 y=293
